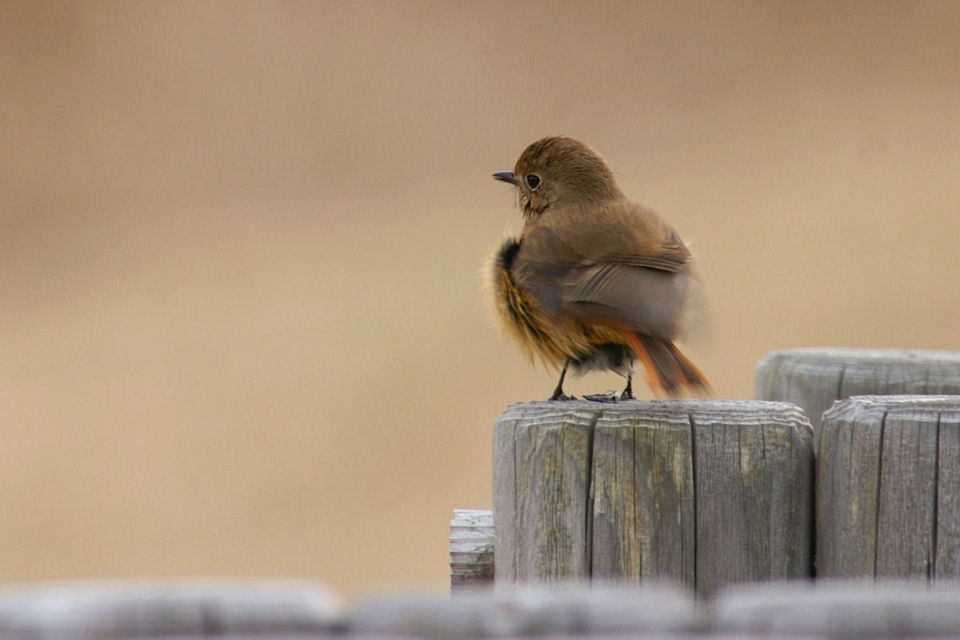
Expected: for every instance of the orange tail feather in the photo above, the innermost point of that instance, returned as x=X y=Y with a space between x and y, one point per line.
x=668 y=370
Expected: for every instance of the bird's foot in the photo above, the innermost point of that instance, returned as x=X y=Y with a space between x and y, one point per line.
x=627 y=395
x=610 y=396
x=561 y=397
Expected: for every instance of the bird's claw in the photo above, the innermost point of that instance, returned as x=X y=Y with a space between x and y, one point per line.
x=610 y=396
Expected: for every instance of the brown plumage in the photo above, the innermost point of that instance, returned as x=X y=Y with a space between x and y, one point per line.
x=594 y=281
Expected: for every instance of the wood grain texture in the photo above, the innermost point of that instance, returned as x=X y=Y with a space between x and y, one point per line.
x=754 y=469
x=947 y=558
x=541 y=478
x=644 y=523
x=471 y=548
x=888 y=490
x=704 y=492
x=848 y=469
x=813 y=378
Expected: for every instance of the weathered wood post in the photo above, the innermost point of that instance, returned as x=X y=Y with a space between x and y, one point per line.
x=541 y=476
x=705 y=492
x=471 y=548
x=813 y=378
x=888 y=487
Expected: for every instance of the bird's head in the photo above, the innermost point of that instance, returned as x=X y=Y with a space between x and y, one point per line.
x=560 y=171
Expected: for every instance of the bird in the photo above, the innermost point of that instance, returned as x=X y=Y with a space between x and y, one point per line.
x=594 y=281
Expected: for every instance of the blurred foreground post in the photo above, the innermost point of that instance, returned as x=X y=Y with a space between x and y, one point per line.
x=814 y=378
x=705 y=492
x=837 y=609
x=556 y=611
x=169 y=608
x=888 y=487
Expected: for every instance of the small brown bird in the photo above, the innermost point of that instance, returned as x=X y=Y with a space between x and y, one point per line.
x=594 y=281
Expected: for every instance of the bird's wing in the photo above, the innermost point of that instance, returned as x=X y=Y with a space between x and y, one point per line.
x=645 y=300
x=615 y=272
x=621 y=233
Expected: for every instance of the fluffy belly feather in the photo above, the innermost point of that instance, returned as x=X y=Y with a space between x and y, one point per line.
x=555 y=341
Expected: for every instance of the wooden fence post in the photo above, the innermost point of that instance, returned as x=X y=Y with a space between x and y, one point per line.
x=837 y=609
x=168 y=608
x=814 y=378
x=555 y=611
x=701 y=491
x=471 y=548
x=888 y=487
x=541 y=471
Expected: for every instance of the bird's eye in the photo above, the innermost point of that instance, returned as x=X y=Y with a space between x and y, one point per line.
x=533 y=181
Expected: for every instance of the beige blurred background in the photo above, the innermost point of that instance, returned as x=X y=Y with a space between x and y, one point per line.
x=241 y=322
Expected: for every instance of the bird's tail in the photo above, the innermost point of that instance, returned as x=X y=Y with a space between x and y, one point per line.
x=668 y=371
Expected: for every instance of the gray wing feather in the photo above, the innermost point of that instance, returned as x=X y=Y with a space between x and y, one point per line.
x=646 y=300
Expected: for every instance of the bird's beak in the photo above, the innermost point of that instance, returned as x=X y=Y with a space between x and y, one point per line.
x=506 y=176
